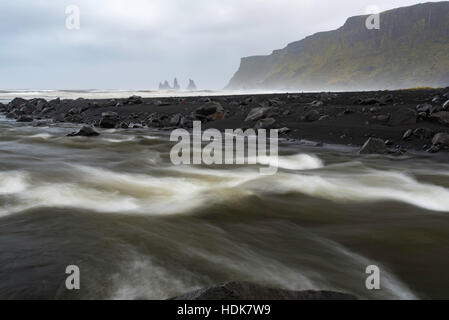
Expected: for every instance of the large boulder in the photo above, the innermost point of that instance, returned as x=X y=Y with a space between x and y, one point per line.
x=16 y=102
x=442 y=117
x=312 y=115
x=423 y=133
x=249 y=291
x=441 y=139
x=210 y=111
x=403 y=117
x=265 y=123
x=209 y=108
x=25 y=118
x=74 y=118
x=374 y=146
x=134 y=100
x=424 y=107
x=27 y=108
x=261 y=112
x=86 y=131
x=109 y=120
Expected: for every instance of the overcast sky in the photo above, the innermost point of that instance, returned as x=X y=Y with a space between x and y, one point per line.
x=134 y=44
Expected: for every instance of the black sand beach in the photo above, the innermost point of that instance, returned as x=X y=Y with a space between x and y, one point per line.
x=404 y=119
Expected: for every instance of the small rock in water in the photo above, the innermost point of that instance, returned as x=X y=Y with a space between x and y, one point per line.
x=374 y=146
x=109 y=120
x=85 y=131
x=25 y=118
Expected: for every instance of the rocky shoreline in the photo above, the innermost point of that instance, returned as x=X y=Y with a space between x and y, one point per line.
x=245 y=291
x=379 y=121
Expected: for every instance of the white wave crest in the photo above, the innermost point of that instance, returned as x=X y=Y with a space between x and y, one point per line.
x=13 y=182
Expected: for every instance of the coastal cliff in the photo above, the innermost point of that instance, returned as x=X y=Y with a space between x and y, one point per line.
x=410 y=49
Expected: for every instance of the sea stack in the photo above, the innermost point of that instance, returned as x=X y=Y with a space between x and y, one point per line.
x=164 y=86
x=176 y=84
x=192 y=85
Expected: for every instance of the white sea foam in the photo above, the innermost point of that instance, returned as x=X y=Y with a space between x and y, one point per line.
x=293 y=162
x=374 y=185
x=43 y=136
x=12 y=182
x=185 y=188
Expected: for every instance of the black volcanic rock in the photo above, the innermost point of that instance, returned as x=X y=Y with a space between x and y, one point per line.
x=409 y=50
x=374 y=146
x=85 y=131
x=249 y=291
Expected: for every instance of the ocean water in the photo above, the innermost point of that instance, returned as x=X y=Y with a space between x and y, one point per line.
x=139 y=227
x=8 y=95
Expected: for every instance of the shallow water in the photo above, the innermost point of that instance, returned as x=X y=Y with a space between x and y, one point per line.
x=139 y=227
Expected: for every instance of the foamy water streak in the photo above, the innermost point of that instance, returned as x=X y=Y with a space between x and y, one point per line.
x=165 y=230
x=190 y=188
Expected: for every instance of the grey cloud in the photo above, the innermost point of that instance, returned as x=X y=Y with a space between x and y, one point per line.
x=127 y=44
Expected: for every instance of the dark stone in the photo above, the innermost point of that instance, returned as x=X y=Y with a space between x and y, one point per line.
x=210 y=111
x=247 y=101
x=426 y=107
x=261 y=112
x=265 y=123
x=85 y=131
x=442 y=117
x=109 y=120
x=123 y=125
x=134 y=100
x=374 y=146
x=445 y=105
x=25 y=118
x=16 y=102
x=367 y=101
x=407 y=134
x=317 y=103
x=383 y=117
x=248 y=291
x=311 y=116
x=74 y=118
x=403 y=117
x=386 y=99
x=284 y=130
x=441 y=139
x=423 y=133
x=27 y=109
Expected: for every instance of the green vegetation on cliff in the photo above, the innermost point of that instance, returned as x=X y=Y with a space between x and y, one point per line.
x=410 y=49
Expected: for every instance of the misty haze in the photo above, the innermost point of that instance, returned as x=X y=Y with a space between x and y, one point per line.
x=224 y=150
